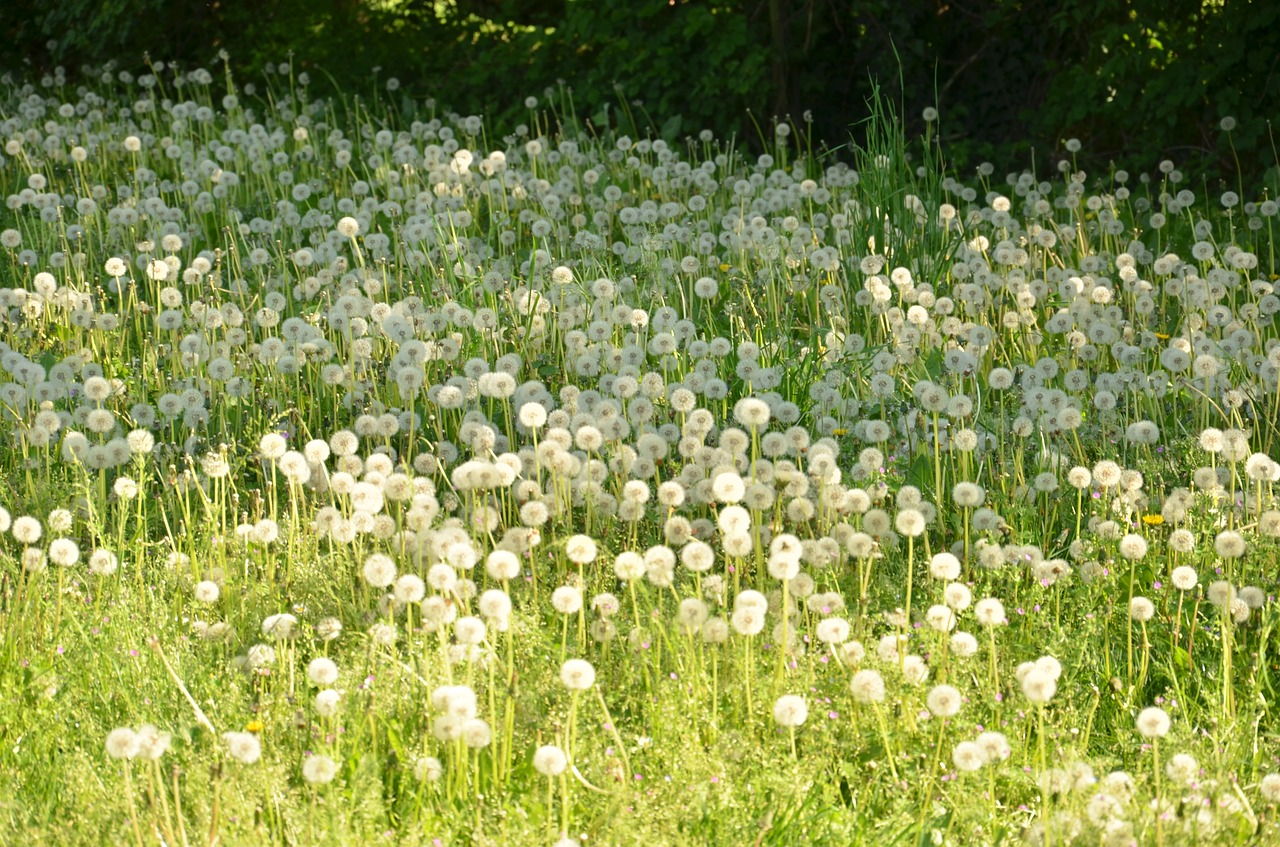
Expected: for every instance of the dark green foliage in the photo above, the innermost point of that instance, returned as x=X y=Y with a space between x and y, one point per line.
x=704 y=63
x=1134 y=80
x=1160 y=77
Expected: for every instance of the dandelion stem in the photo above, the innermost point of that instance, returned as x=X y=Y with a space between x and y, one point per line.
x=1046 y=796
x=200 y=715
x=1155 y=767
x=911 y=554
x=564 y=803
x=133 y=804
x=617 y=738
x=926 y=796
x=888 y=745
x=782 y=647
x=995 y=672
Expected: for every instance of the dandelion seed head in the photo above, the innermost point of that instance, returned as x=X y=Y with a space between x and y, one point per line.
x=322 y=671
x=1038 y=685
x=963 y=645
x=790 y=710
x=122 y=743
x=319 y=770
x=1153 y=722
x=550 y=761
x=867 y=686
x=567 y=600
x=944 y=701
x=1269 y=788
x=944 y=566
x=968 y=756
x=577 y=674
x=989 y=612
x=1141 y=609
x=244 y=747
x=379 y=570
x=1229 y=544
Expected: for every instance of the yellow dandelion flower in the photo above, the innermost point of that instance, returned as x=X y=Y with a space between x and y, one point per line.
x=254 y=726
x=1153 y=520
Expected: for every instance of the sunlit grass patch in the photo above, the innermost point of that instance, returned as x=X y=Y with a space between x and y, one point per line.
x=368 y=477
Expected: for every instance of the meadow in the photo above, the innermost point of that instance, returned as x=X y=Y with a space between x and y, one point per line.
x=368 y=478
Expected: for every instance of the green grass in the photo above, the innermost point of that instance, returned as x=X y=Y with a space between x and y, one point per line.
x=871 y=300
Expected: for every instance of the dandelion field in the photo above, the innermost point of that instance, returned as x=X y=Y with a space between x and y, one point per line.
x=368 y=478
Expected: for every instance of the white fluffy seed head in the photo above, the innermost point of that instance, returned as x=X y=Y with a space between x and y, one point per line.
x=989 y=611
x=968 y=756
x=428 y=769
x=580 y=549
x=1229 y=544
x=348 y=227
x=1153 y=722
x=790 y=710
x=502 y=565
x=941 y=618
x=322 y=671
x=867 y=686
x=319 y=770
x=577 y=674
x=909 y=522
x=244 y=747
x=1184 y=578
x=469 y=630
x=944 y=701
x=566 y=600
x=968 y=495
x=1038 y=685
x=379 y=570
x=963 y=645
x=1133 y=547
x=957 y=596
x=833 y=630
x=207 y=591
x=1182 y=767
x=1141 y=609
x=1269 y=788
x=944 y=566
x=122 y=743
x=995 y=745
x=327 y=702
x=549 y=760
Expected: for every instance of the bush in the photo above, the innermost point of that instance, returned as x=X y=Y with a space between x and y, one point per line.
x=1135 y=80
